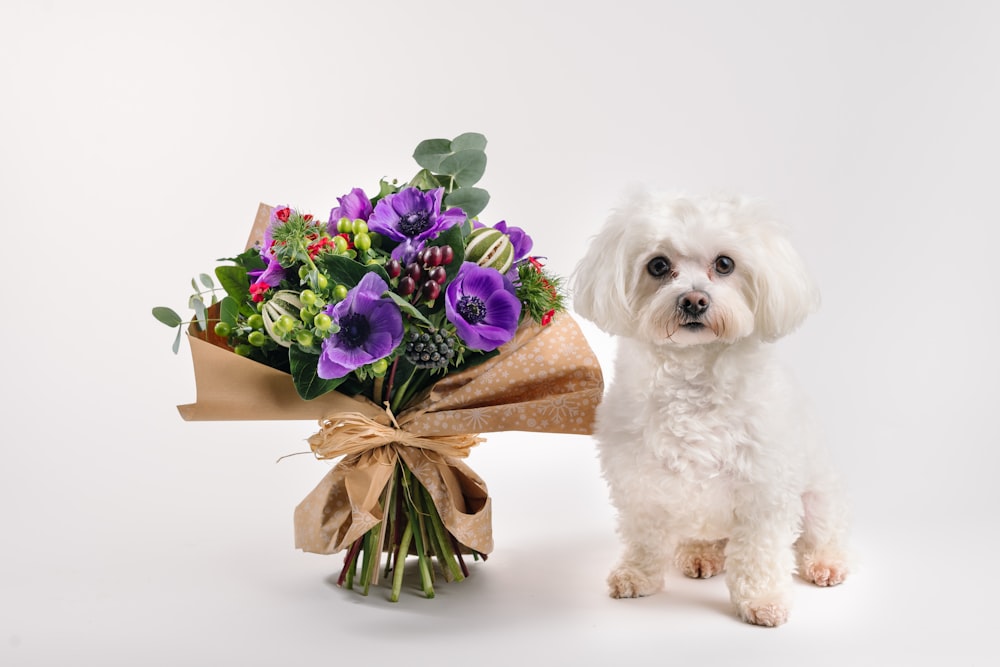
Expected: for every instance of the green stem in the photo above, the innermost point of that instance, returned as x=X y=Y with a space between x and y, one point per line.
x=397 y=573
x=446 y=554
x=419 y=536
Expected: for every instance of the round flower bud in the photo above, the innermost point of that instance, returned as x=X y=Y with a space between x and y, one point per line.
x=491 y=248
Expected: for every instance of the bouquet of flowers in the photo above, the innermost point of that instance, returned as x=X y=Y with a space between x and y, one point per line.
x=402 y=322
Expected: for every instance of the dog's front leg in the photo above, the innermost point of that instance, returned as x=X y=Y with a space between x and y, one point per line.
x=648 y=550
x=760 y=557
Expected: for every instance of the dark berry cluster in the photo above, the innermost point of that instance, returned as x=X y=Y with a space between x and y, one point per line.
x=425 y=275
x=431 y=350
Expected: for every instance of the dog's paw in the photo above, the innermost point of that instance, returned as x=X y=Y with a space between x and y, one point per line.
x=767 y=614
x=824 y=572
x=701 y=560
x=627 y=582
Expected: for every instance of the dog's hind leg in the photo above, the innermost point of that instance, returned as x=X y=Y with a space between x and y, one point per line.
x=821 y=548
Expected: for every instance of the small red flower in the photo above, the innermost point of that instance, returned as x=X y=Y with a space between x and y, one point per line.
x=283 y=214
x=318 y=247
x=307 y=217
x=257 y=291
x=547 y=317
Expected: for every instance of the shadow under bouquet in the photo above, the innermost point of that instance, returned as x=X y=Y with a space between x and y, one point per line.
x=407 y=328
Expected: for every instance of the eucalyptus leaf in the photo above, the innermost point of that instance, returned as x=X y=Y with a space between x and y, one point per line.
x=168 y=316
x=468 y=141
x=466 y=167
x=308 y=383
x=198 y=304
x=206 y=280
x=471 y=200
x=430 y=152
x=177 y=341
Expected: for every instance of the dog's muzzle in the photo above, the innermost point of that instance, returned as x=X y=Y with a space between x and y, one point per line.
x=694 y=305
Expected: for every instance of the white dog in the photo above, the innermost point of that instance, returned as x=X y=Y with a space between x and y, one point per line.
x=704 y=441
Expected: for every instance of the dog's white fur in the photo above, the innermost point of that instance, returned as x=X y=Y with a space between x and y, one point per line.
x=704 y=441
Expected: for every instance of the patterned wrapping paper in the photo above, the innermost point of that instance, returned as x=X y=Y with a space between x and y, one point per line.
x=547 y=379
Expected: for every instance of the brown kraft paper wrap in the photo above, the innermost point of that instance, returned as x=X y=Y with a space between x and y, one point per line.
x=547 y=379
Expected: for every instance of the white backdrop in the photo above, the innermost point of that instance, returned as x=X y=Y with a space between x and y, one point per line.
x=138 y=139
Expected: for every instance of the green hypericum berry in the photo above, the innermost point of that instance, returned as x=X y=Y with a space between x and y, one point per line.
x=322 y=322
x=285 y=324
x=345 y=226
x=362 y=241
x=255 y=321
x=340 y=292
x=321 y=281
x=243 y=350
x=257 y=338
x=308 y=297
x=304 y=338
x=222 y=329
x=359 y=227
x=340 y=244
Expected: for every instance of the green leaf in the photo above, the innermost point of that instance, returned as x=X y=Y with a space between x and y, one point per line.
x=168 y=316
x=470 y=200
x=177 y=341
x=345 y=271
x=198 y=304
x=303 y=369
x=466 y=167
x=409 y=308
x=228 y=310
x=206 y=280
x=234 y=280
x=425 y=180
x=468 y=141
x=430 y=152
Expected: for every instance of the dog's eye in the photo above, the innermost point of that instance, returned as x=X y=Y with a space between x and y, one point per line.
x=658 y=267
x=724 y=265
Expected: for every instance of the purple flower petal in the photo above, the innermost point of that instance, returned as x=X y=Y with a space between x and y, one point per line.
x=483 y=306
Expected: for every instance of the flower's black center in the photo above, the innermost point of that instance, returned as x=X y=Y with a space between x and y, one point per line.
x=412 y=224
x=354 y=329
x=472 y=309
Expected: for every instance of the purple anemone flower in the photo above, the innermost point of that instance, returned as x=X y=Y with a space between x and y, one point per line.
x=412 y=216
x=371 y=327
x=355 y=205
x=483 y=306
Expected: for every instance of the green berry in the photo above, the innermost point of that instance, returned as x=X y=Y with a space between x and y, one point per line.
x=243 y=350
x=285 y=324
x=304 y=338
x=359 y=227
x=321 y=281
x=340 y=244
x=222 y=329
x=362 y=241
x=255 y=321
x=308 y=297
x=322 y=322
x=257 y=338
x=380 y=367
x=345 y=226
x=340 y=292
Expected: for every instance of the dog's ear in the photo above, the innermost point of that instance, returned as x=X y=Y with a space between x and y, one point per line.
x=602 y=283
x=785 y=292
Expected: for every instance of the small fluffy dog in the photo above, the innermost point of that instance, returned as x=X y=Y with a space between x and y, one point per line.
x=704 y=441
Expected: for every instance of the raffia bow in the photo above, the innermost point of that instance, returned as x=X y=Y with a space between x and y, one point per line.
x=348 y=433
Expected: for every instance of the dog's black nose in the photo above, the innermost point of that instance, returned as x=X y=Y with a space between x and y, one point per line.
x=694 y=303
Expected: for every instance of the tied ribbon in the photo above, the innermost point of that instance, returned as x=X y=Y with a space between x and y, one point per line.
x=349 y=433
